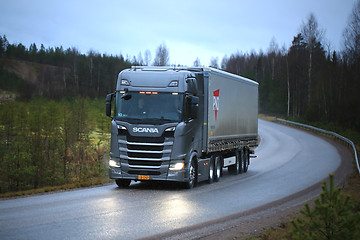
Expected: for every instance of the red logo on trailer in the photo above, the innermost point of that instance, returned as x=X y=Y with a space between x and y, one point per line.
x=216 y=102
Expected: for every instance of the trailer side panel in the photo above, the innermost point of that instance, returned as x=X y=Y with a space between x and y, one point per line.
x=232 y=111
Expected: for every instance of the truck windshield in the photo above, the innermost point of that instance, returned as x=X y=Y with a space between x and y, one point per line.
x=149 y=107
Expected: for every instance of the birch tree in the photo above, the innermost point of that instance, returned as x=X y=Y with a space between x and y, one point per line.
x=312 y=36
x=352 y=35
x=162 y=56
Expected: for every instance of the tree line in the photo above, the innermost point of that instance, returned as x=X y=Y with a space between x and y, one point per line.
x=91 y=75
x=308 y=81
x=75 y=74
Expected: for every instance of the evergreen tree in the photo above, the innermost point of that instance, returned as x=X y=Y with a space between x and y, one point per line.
x=333 y=217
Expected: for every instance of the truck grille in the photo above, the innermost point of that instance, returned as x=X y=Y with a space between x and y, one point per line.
x=145 y=154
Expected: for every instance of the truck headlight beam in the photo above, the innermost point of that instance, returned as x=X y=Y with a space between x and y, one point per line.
x=177 y=166
x=113 y=163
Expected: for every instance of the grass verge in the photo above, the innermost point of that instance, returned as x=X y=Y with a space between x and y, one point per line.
x=64 y=187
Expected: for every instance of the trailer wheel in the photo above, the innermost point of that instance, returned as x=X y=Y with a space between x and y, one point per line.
x=235 y=169
x=240 y=154
x=211 y=170
x=123 y=183
x=192 y=175
x=246 y=159
x=217 y=168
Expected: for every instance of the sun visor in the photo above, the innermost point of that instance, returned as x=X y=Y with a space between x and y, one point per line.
x=171 y=81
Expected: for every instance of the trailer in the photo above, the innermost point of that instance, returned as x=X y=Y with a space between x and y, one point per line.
x=181 y=124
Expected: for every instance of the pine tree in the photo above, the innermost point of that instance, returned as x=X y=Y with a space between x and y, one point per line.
x=333 y=217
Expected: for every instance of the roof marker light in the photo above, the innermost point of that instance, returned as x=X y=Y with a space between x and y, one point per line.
x=174 y=83
x=125 y=82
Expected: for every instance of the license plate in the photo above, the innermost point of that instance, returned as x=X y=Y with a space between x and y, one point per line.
x=143 y=177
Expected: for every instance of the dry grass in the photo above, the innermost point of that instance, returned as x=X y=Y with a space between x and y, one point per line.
x=267 y=117
x=90 y=182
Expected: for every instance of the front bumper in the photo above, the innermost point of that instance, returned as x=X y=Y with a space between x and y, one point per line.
x=177 y=176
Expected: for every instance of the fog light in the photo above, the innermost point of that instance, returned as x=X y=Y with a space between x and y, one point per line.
x=113 y=163
x=177 y=166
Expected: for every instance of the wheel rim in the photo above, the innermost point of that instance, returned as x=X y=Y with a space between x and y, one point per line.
x=211 y=171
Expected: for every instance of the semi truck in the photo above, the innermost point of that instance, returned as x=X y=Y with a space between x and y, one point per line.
x=182 y=124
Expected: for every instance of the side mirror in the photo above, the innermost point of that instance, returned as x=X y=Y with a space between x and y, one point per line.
x=127 y=95
x=193 y=106
x=191 y=85
x=194 y=111
x=109 y=98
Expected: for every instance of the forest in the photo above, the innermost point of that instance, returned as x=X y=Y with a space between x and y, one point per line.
x=53 y=129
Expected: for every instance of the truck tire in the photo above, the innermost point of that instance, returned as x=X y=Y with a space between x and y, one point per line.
x=235 y=169
x=192 y=174
x=241 y=160
x=211 y=170
x=217 y=169
x=246 y=159
x=123 y=183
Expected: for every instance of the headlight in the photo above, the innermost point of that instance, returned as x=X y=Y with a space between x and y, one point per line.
x=176 y=166
x=170 y=129
x=113 y=163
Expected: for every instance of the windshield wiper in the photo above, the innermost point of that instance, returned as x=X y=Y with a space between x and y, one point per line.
x=159 y=120
x=131 y=119
x=168 y=120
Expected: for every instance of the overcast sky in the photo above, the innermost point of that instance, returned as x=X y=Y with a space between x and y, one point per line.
x=189 y=28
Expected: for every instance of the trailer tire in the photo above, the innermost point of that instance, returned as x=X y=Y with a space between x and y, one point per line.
x=246 y=159
x=192 y=174
x=217 y=164
x=211 y=170
x=242 y=160
x=123 y=183
x=235 y=169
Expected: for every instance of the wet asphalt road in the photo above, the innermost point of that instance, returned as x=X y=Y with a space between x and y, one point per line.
x=289 y=161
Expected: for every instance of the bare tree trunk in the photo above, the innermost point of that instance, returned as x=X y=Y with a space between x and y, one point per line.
x=309 y=82
x=76 y=77
x=98 y=84
x=91 y=67
x=64 y=79
x=273 y=68
x=288 y=87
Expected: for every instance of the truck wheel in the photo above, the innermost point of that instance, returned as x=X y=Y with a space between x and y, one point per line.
x=234 y=169
x=211 y=170
x=217 y=168
x=241 y=156
x=192 y=175
x=246 y=160
x=123 y=183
